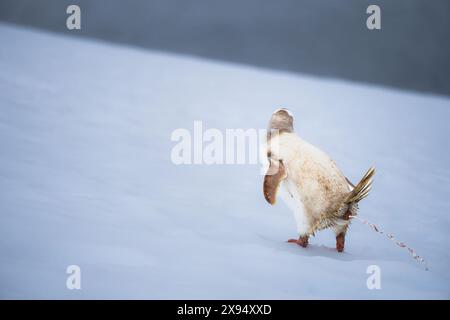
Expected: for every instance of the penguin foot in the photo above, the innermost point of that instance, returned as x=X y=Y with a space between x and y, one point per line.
x=302 y=241
x=340 y=242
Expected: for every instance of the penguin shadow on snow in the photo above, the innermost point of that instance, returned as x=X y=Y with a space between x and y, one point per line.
x=315 y=250
x=318 y=250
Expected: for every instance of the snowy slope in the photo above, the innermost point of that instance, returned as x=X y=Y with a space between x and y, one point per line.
x=86 y=179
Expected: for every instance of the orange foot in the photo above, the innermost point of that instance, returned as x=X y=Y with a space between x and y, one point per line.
x=302 y=241
x=340 y=241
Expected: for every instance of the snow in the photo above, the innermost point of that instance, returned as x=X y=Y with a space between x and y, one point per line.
x=86 y=179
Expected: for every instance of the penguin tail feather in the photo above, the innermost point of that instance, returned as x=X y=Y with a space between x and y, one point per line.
x=362 y=189
x=359 y=192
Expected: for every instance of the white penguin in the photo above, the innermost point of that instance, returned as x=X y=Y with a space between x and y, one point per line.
x=311 y=184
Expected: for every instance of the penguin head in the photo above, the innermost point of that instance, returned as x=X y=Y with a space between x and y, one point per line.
x=282 y=120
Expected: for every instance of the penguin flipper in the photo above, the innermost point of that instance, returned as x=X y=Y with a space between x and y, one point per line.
x=272 y=180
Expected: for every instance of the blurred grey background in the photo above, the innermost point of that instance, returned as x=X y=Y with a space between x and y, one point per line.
x=320 y=37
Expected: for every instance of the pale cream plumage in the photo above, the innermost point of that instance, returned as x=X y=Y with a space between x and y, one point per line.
x=317 y=187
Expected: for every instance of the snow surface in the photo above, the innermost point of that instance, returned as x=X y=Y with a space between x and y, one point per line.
x=86 y=179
